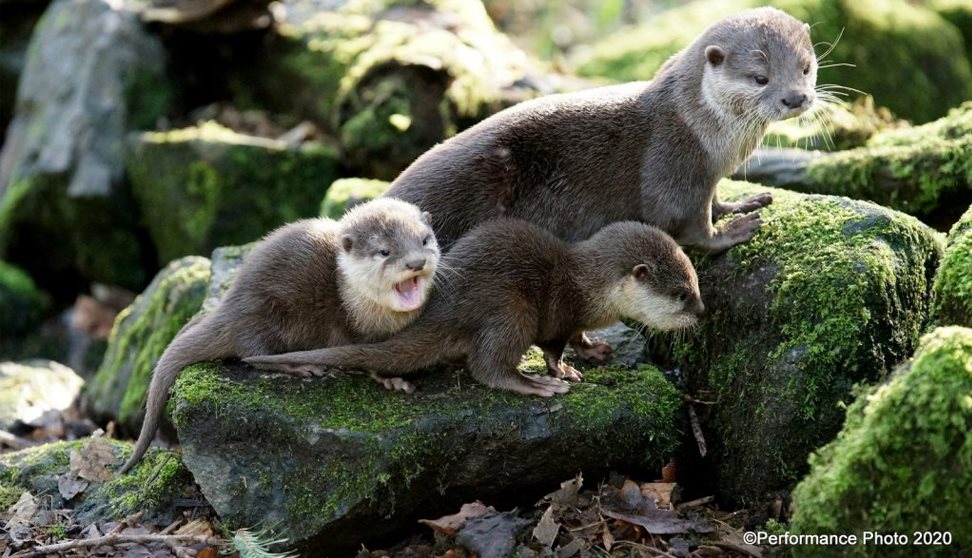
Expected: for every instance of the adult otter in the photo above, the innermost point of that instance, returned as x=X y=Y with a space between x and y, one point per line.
x=313 y=283
x=644 y=151
x=509 y=284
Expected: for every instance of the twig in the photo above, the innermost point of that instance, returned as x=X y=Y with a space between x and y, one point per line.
x=691 y=399
x=754 y=553
x=119 y=538
x=697 y=430
x=695 y=503
x=16 y=442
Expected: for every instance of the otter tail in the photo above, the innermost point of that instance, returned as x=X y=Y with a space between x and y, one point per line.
x=412 y=349
x=192 y=344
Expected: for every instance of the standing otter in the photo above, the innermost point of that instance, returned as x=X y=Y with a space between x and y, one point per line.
x=511 y=284
x=643 y=151
x=313 y=283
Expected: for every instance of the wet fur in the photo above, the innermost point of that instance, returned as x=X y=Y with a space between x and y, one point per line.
x=291 y=295
x=645 y=151
x=491 y=304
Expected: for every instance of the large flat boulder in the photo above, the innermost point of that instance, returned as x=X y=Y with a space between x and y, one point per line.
x=830 y=292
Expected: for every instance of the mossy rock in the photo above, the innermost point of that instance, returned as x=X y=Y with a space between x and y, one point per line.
x=141 y=333
x=959 y=14
x=203 y=187
x=952 y=291
x=833 y=127
x=152 y=487
x=830 y=292
x=349 y=192
x=357 y=463
x=30 y=388
x=901 y=464
x=925 y=170
x=905 y=54
x=21 y=303
x=391 y=78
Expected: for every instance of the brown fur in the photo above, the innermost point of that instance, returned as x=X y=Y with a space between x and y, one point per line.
x=288 y=295
x=509 y=284
x=645 y=151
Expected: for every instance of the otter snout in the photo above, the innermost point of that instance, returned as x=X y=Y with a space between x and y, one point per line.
x=696 y=308
x=794 y=100
x=417 y=264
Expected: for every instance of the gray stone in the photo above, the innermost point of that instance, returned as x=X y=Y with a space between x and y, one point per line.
x=30 y=388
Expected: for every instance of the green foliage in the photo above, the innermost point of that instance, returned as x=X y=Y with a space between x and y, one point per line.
x=141 y=333
x=200 y=188
x=904 y=53
x=959 y=14
x=20 y=301
x=347 y=192
x=952 y=290
x=252 y=544
x=901 y=462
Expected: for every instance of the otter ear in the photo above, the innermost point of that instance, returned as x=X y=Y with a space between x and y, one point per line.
x=806 y=27
x=715 y=55
x=347 y=242
x=640 y=271
x=426 y=217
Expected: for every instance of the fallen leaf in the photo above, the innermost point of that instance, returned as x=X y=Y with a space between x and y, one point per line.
x=567 y=495
x=546 y=530
x=450 y=524
x=94 y=460
x=661 y=493
x=70 y=485
x=607 y=539
x=196 y=527
x=669 y=473
x=22 y=513
x=208 y=552
x=570 y=549
x=660 y=522
x=492 y=535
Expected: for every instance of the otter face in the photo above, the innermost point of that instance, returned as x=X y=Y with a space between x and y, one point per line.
x=761 y=67
x=662 y=296
x=389 y=255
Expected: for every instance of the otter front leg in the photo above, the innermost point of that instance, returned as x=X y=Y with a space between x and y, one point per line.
x=553 y=355
x=744 y=206
x=589 y=350
x=493 y=362
x=703 y=235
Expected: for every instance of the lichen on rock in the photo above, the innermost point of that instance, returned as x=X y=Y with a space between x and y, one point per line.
x=207 y=186
x=901 y=463
x=141 y=333
x=349 y=192
x=952 y=291
x=830 y=292
x=360 y=459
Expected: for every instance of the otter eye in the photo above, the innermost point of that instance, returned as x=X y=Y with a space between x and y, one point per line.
x=806 y=70
x=761 y=80
x=682 y=297
x=384 y=253
x=425 y=241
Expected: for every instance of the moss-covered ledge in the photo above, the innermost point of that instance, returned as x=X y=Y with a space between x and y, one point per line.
x=207 y=186
x=339 y=461
x=952 y=290
x=830 y=292
x=903 y=460
x=151 y=487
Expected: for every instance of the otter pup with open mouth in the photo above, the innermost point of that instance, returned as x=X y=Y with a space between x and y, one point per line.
x=313 y=283
x=509 y=284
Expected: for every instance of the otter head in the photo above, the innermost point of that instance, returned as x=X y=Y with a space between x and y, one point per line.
x=387 y=256
x=759 y=66
x=658 y=285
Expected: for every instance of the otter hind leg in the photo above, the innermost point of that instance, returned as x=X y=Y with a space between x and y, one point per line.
x=590 y=350
x=553 y=356
x=747 y=205
x=494 y=364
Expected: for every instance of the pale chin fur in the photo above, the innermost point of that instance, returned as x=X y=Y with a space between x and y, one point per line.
x=367 y=294
x=640 y=303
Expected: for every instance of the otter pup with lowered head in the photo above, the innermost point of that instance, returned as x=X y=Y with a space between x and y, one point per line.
x=509 y=284
x=644 y=151
x=312 y=283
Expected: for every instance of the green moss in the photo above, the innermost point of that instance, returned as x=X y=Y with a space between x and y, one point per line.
x=904 y=53
x=158 y=478
x=20 y=301
x=952 y=290
x=901 y=462
x=140 y=335
x=348 y=192
x=959 y=14
x=57 y=237
x=911 y=170
x=193 y=186
x=9 y=496
x=378 y=443
x=828 y=293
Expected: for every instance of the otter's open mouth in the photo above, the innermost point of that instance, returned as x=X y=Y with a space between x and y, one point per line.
x=408 y=294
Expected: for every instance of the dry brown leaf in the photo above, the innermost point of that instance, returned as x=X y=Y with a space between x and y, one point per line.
x=669 y=473
x=546 y=530
x=607 y=539
x=208 y=552
x=660 y=522
x=450 y=524
x=196 y=527
x=94 y=461
x=661 y=493
x=567 y=495
x=570 y=549
x=70 y=485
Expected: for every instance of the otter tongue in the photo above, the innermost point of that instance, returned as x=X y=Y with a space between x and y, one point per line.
x=408 y=293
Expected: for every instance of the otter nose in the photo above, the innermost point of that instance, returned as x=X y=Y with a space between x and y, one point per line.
x=416 y=264
x=698 y=309
x=794 y=100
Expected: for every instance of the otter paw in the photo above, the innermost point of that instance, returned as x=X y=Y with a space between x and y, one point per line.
x=754 y=203
x=598 y=352
x=571 y=374
x=393 y=383
x=742 y=228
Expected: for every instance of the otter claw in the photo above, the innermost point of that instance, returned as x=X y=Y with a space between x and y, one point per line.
x=393 y=383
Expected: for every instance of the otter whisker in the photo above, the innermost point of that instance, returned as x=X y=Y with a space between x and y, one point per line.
x=833 y=45
x=836 y=65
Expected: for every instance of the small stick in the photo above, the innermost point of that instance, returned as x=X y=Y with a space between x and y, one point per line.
x=697 y=502
x=697 y=431
x=16 y=442
x=118 y=538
